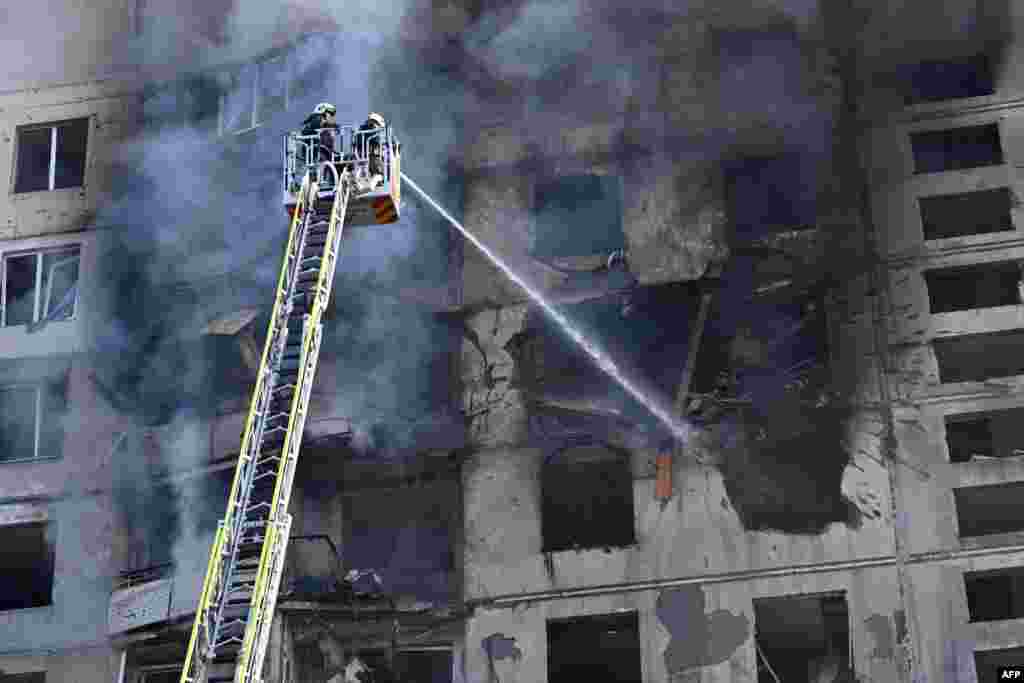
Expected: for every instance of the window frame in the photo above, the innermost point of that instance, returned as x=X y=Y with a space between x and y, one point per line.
x=54 y=150
x=40 y=253
x=253 y=107
x=37 y=421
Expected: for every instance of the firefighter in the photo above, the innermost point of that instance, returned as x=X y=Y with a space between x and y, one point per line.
x=322 y=121
x=374 y=150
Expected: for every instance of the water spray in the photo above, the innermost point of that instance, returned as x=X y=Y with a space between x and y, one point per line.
x=680 y=429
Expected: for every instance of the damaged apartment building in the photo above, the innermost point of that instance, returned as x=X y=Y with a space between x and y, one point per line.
x=795 y=224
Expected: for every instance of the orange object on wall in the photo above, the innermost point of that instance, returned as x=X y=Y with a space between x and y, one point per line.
x=663 y=476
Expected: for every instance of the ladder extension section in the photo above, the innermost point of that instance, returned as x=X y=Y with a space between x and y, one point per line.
x=236 y=606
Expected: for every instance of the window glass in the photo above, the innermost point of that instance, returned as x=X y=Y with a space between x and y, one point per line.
x=59 y=286
x=33 y=154
x=17 y=423
x=20 y=283
x=69 y=169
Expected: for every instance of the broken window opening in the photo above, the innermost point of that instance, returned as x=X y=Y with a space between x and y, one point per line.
x=771 y=194
x=802 y=636
x=956 y=149
x=587 y=499
x=968 y=213
x=40 y=286
x=409 y=547
x=933 y=81
x=978 y=357
x=991 y=509
x=51 y=156
x=31 y=424
x=594 y=648
x=982 y=285
x=577 y=215
x=987 y=662
x=992 y=434
x=26 y=566
x=995 y=595
x=969 y=437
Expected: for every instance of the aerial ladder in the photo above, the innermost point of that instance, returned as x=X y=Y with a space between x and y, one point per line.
x=354 y=180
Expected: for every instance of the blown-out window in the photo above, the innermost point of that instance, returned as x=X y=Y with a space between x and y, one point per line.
x=587 y=499
x=602 y=647
x=51 y=156
x=26 y=566
x=968 y=213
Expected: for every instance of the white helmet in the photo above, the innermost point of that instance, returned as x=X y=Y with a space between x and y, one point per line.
x=324 y=108
x=375 y=118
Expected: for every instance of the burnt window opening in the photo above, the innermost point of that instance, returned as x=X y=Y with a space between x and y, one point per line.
x=933 y=81
x=991 y=509
x=587 y=499
x=594 y=648
x=51 y=156
x=992 y=434
x=411 y=546
x=577 y=215
x=32 y=419
x=32 y=677
x=987 y=662
x=978 y=357
x=956 y=149
x=983 y=285
x=764 y=345
x=26 y=565
x=800 y=636
x=771 y=194
x=968 y=213
x=40 y=286
x=968 y=437
x=995 y=595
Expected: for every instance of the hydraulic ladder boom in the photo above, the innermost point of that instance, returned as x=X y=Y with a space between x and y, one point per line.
x=236 y=606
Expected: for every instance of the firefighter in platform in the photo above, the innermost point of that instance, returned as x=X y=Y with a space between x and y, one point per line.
x=374 y=150
x=322 y=121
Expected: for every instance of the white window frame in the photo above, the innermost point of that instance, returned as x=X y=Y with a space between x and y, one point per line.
x=37 y=427
x=253 y=110
x=53 y=126
x=39 y=306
